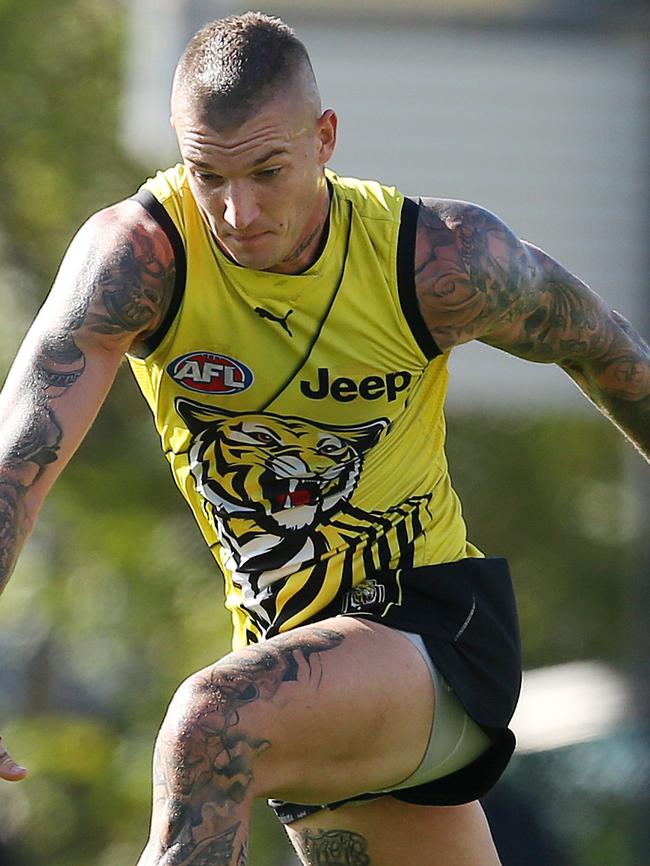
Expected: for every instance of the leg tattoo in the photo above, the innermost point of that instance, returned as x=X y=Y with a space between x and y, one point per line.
x=204 y=758
x=333 y=848
x=216 y=850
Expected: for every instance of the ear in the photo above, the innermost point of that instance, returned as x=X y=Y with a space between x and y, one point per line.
x=326 y=127
x=199 y=417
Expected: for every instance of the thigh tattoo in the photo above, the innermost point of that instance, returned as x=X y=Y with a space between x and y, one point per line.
x=333 y=848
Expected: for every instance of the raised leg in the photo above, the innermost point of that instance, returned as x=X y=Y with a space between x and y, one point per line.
x=322 y=713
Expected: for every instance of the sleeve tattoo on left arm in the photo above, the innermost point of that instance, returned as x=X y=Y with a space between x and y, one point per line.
x=476 y=280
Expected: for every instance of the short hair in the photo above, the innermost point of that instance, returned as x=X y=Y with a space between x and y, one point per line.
x=233 y=65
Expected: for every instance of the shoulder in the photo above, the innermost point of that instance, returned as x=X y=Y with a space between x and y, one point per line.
x=475 y=280
x=469 y=266
x=126 y=220
x=464 y=225
x=370 y=198
x=148 y=216
x=121 y=267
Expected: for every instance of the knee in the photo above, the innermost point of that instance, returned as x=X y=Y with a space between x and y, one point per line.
x=212 y=701
x=209 y=740
x=189 y=704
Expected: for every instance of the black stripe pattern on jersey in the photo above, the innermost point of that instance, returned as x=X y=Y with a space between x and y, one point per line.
x=388 y=540
x=406 y=279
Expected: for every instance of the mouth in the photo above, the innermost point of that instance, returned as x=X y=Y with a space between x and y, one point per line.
x=297 y=493
x=245 y=240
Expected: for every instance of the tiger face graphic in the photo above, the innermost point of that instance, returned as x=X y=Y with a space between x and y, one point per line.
x=277 y=489
x=281 y=472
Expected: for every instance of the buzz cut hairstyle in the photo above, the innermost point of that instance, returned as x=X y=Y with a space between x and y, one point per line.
x=233 y=65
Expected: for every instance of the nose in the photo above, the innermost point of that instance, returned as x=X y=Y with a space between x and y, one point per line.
x=240 y=206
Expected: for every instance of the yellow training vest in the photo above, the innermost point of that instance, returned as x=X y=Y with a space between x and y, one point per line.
x=301 y=416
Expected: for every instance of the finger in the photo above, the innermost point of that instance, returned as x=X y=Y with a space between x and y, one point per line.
x=9 y=769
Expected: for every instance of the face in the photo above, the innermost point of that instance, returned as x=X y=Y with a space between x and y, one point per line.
x=260 y=186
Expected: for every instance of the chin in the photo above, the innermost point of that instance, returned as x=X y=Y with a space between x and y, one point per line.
x=259 y=259
x=255 y=262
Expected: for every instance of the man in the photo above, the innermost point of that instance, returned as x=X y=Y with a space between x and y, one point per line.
x=290 y=331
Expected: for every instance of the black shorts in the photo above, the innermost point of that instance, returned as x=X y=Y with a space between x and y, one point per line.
x=467 y=616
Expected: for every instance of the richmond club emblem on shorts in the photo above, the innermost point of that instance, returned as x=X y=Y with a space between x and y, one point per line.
x=364 y=594
x=208 y=373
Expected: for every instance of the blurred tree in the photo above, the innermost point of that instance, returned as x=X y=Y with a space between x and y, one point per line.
x=548 y=492
x=59 y=102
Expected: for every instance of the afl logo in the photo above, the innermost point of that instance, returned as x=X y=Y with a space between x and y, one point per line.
x=210 y=373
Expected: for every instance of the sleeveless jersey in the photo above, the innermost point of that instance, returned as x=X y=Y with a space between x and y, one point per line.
x=302 y=415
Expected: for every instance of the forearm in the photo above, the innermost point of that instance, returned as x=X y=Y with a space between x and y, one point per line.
x=618 y=382
x=15 y=527
x=30 y=445
x=557 y=318
x=29 y=442
x=47 y=405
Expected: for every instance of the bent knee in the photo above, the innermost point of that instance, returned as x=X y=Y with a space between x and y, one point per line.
x=213 y=733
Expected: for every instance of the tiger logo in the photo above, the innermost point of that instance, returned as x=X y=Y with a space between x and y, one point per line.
x=281 y=474
x=277 y=489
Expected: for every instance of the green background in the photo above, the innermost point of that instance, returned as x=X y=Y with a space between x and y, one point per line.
x=116 y=599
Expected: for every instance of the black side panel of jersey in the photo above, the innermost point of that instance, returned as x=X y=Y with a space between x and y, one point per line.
x=151 y=204
x=406 y=279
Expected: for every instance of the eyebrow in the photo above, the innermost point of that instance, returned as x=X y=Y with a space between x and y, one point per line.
x=277 y=151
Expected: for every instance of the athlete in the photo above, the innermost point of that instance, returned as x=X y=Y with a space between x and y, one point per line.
x=290 y=330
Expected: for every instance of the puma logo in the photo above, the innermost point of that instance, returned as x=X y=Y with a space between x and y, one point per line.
x=281 y=320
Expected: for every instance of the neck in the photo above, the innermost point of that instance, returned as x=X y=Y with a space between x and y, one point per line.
x=315 y=234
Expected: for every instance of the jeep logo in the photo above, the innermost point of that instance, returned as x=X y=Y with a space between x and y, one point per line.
x=344 y=390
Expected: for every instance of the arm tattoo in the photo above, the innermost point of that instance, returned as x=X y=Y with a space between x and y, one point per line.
x=476 y=280
x=120 y=288
x=559 y=319
x=333 y=848
x=34 y=448
x=59 y=364
x=201 y=783
x=465 y=270
x=133 y=287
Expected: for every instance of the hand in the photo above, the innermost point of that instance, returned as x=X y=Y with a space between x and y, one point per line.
x=9 y=769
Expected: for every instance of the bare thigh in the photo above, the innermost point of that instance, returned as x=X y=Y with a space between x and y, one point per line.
x=387 y=832
x=351 y=710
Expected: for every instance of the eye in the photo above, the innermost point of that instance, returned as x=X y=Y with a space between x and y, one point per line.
x=264 y=438
x=329 y=446
x=206 y=177
x=269 y=172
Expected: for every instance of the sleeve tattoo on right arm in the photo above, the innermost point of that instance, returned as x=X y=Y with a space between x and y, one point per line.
x=119 y=293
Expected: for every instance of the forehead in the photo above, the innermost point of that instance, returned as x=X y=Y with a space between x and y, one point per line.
x=279 y=125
